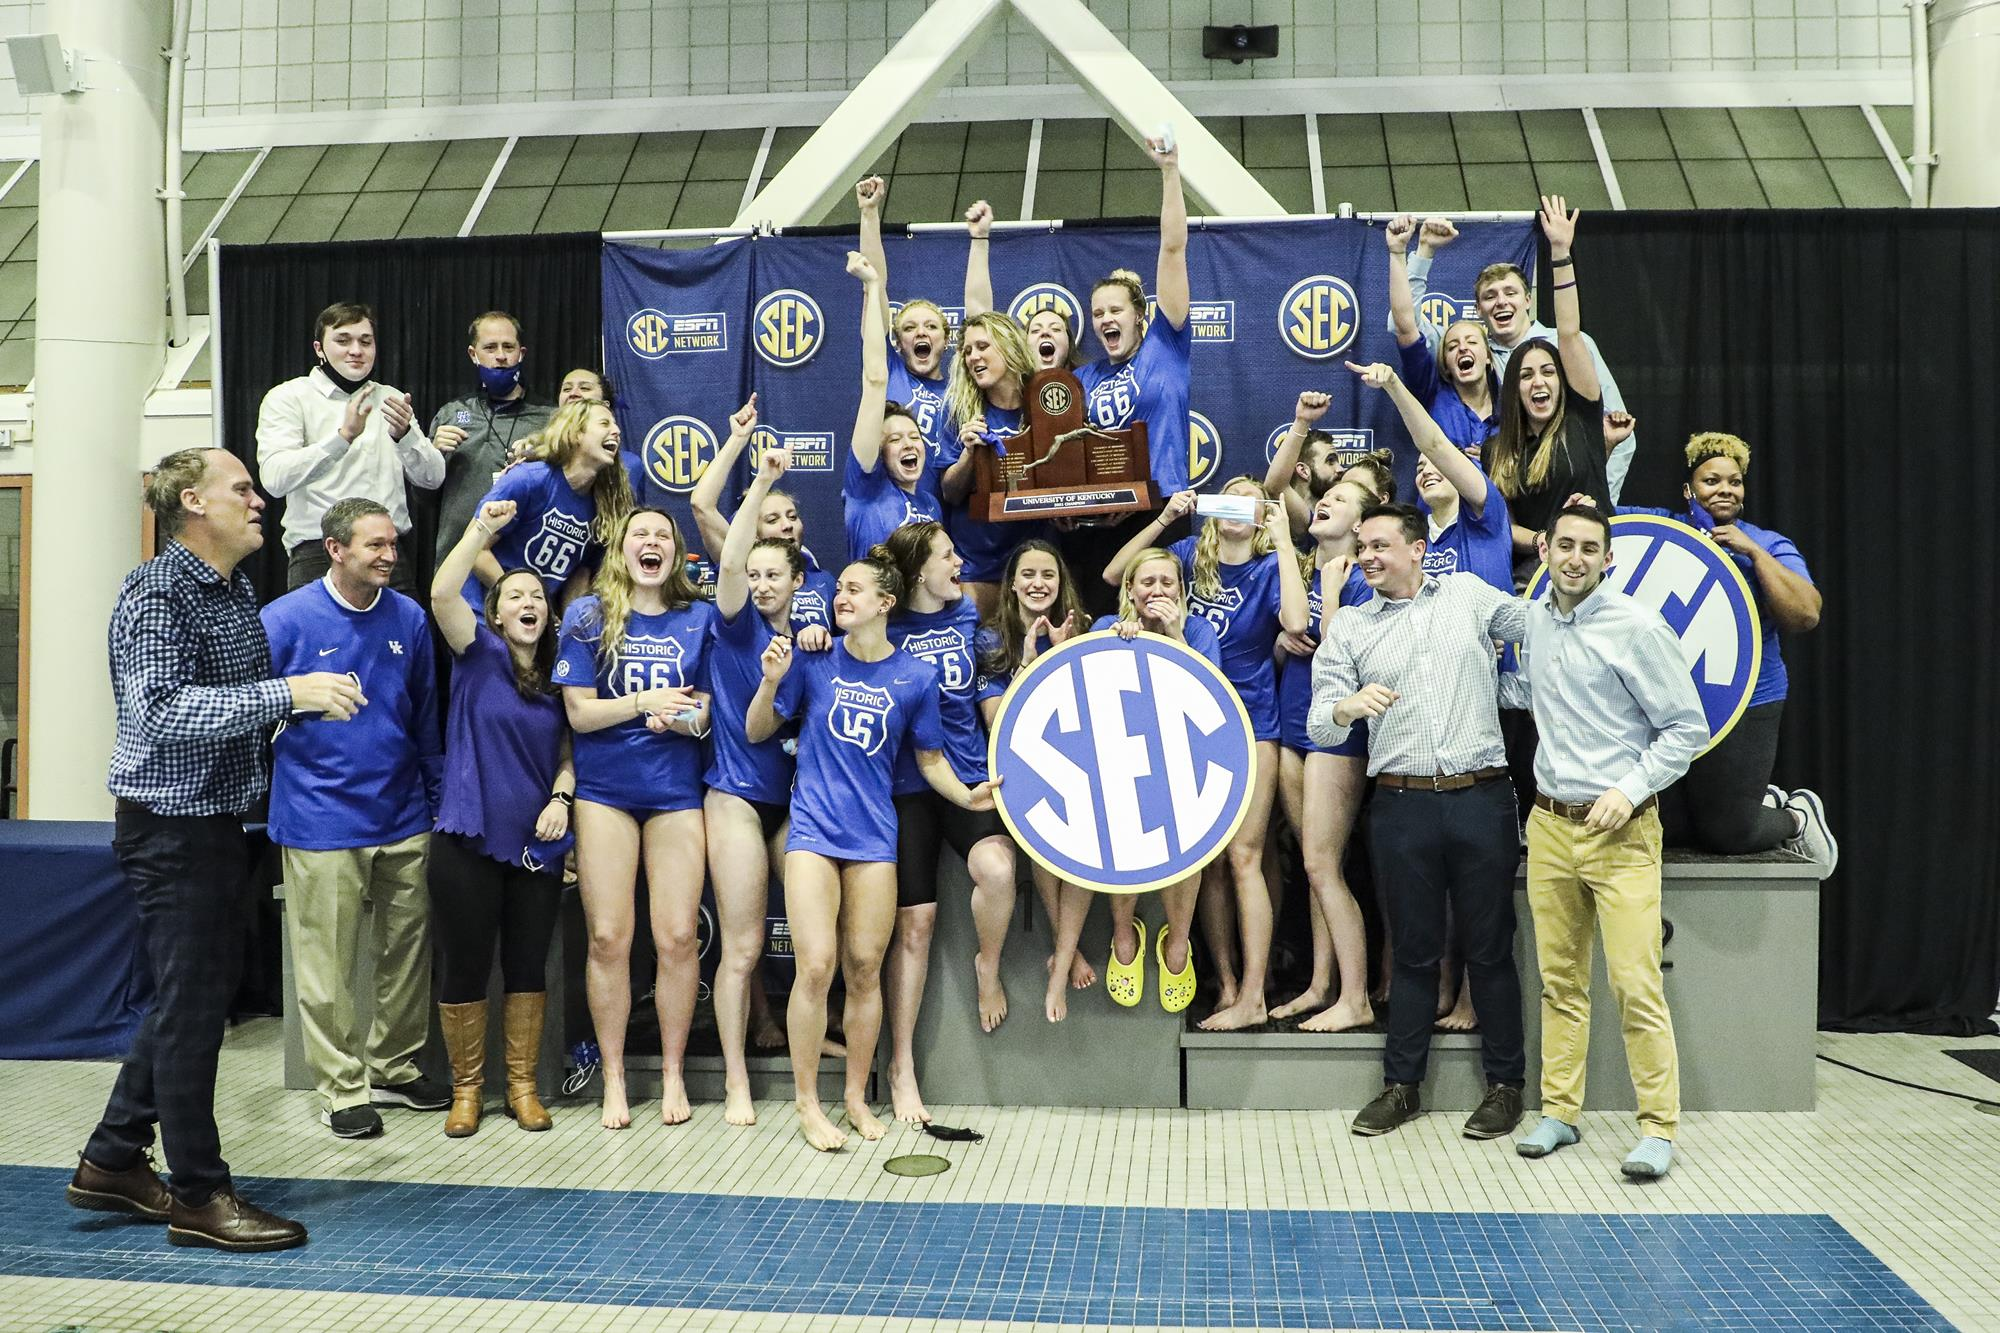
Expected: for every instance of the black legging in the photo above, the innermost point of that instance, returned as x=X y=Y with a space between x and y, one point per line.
x=1719 y=806
x=476 y=900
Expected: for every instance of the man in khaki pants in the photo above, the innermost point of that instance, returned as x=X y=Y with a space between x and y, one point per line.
x=1619 y=720
x=351 y=809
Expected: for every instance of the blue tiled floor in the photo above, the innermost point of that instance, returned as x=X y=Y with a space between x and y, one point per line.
x=1050 y=1263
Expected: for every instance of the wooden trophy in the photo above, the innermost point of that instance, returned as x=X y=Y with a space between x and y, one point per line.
x=1061 y=467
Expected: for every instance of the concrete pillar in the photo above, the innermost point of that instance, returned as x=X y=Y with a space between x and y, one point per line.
x=99 y=341
x=1965 y=103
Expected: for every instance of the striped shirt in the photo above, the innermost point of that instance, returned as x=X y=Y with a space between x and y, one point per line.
x=1614 y=704
x=1436 y=651
x=191 y=674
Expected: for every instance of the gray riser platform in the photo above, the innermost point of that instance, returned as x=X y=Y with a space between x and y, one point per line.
x=1304 y=1071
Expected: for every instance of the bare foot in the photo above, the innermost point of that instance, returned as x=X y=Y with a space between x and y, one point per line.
x=1451 y=989
x=673 y=1100
x=768 y=1036
x=1225 y=994
x=1082 y=976
x=737 y=1108
x=1460 y=1017
x=864 y=1120
x=992 y=995
x=617 y=1112
x=904 y=1098
x=817 y=1130
x=1234 y=1018
x=1313 y=998
x=833 y=1048
x=1342 y=1017
x=1056 y=1003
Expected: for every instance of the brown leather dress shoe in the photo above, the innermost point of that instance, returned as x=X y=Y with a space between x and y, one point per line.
x=136 y=1191
x=228 y=1221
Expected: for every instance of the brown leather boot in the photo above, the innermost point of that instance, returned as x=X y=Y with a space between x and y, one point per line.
x=465 y=1041
x=524 y=1049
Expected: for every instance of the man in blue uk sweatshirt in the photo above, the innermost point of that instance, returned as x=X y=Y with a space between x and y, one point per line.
x=351 y=809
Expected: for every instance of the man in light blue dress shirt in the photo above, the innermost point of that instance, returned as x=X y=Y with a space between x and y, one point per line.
x=1619 y=721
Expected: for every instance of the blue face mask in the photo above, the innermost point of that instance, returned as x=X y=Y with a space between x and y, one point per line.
x=499 y=381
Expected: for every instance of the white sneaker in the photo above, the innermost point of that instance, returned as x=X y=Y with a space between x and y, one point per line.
x=1814 y=840
x=1774 y=797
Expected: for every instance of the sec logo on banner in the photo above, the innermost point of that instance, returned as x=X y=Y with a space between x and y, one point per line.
x=1319 y=317
x=1204 y=448
x=1692 y=582
x=676 y=450
x=787 y=327
x=1033 y=300
x=1125 y=766
x=1445 y=311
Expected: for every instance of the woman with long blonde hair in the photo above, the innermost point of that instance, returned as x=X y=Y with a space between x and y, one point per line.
x=1244 y=580
x=633 y=670
x=987 y=399
x=572 y=490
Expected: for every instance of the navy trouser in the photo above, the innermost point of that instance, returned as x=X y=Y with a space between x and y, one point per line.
x=1463 y=848
x=191 y=875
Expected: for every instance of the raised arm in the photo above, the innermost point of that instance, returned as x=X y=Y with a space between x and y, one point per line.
x=1311 y=407
x=978 y=268
x=1170 y=283
x=1176 y=506
x=1294 y=617
x=1450 y=461
x=732 y=581
x=706 y=501
x=867 y=441
x=868 y=197
x=1579 y=366
x=1402 y=306
x=456 y=619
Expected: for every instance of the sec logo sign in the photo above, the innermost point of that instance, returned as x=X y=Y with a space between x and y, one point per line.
x=1054 y=296
x=1319 y=316
x=676 y=450
x=1125 y=766
x=1694 y=584
x=1204 y=448
x=787 y=328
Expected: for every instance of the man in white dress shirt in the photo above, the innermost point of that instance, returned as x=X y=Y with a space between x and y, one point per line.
x=335 y=434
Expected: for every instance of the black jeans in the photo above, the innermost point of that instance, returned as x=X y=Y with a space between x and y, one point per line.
x=309 y=561
x=191 y=876
x=1719 y=806
x=1461 y=847
x=476 y=901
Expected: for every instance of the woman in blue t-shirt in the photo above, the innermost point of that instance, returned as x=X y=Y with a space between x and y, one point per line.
x=986 y=402
x=572 y=491
x=502 y=826
x=1725 y=804
x=1321 y=789
x=777 y=516
x=1152 y=598
x=937 y=623
x=918 y=329
x=634 y=670
x=883 y=486
x=1460 y=399
x=858 y=707
x=1039 y=608
x=749 y=786
x=1244 y=580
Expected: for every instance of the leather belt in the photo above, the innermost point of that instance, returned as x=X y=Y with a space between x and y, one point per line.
x=1577 y=812
x=1439 y=781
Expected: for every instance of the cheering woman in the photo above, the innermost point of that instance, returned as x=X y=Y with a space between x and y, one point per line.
x=884 y=484
x=986 y=402
x=1460 y=399
x=858 y=706
x=495 y=856
x=571 y=491
x=1039 y=608
x=633 y=667
x=777 y=518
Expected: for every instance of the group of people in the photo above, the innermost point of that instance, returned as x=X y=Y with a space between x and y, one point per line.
x=737 y=713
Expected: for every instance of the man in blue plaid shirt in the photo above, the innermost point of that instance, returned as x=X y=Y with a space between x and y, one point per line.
x=191 y=674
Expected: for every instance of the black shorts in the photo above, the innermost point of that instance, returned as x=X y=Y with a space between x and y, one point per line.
x=770 y=817
x=925 y=821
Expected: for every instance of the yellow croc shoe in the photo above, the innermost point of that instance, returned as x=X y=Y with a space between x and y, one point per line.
x=1125 y=983
x=1176 y=988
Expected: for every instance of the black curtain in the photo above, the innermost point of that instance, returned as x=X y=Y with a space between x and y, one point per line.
x=424 y=293
x=1855 y=351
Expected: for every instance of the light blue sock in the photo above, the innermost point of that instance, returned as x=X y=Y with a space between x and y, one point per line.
x=1650 y=1160
x=1546 y=1137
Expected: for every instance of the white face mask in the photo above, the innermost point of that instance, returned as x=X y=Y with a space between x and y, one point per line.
x=1235 y=508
